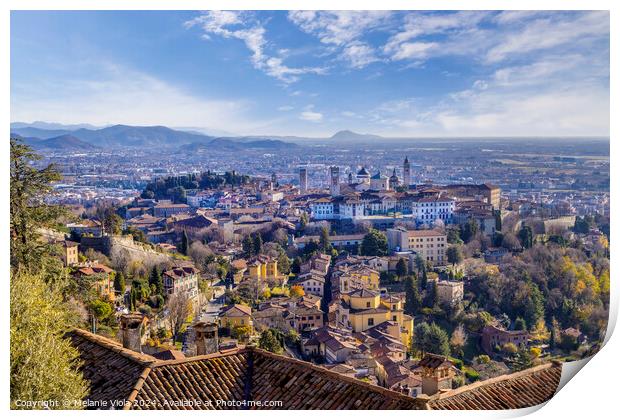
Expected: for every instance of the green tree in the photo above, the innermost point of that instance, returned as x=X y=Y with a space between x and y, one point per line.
x=498 y=220
x=419 y=263
x=423 y=278
x=469 y=230
x=520 y=324
x=296 y=266
x=248 y=245
x=119 y=282
x=284 y=264
x=303 y=221
x=292 y=337
x=526 y=237
x=28 y=210
x=44 y=365
x=112 y=222
x=137 y=234
x=156 y=281
x=431 y=295
x=374 y=243
x=453 y=235
x=101 y=309
x=324 y=240
x=420 y=334
x=582 y=224
x=257 y=244
x=431 y=339
x=454 y=254
x=413 y=301
x=438 y=340
x=401 y=268
x=534 y=306
x=523 y=359
x=184 y=243
x=241 y=332
x=268 y=341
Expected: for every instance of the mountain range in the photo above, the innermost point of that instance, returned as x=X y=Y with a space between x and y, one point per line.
x=83 y=137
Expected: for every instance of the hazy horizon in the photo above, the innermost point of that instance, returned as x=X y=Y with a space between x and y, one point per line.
x=327 y=137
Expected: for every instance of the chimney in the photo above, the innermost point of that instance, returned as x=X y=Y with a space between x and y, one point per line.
x=206 y=338
x=131 y=331
x=437 y=373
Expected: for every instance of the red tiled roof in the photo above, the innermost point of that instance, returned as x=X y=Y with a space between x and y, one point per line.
x=249 y=374
x=95 y=269
x=523 y=389
x=243 y=375
x=236 y=310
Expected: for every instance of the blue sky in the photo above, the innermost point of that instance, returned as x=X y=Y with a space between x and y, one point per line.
x=313 y=73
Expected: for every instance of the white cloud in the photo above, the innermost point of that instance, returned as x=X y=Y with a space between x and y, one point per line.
x=239 y=25
x=508 y=104
x=338 y=27
x=343 y=31
x=348 y=114
x=547 y=33
x=285 y=108
x=311 y=116
x=412 y=50
x=119 y=95
x=575 y=112
x=417 y=25
x=359 y=55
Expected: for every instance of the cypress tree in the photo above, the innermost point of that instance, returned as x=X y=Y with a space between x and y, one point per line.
x=184 y=243
x=156 y=280
x=258 y=244
x=119 y=282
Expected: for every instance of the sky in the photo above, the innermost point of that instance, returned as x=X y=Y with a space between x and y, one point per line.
x=312 y=73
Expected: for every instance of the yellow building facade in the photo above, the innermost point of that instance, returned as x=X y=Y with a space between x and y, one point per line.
x=263 y=269
x=235 y=316
x=368 y=309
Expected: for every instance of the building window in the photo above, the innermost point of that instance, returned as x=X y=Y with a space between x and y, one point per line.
x=371 y=322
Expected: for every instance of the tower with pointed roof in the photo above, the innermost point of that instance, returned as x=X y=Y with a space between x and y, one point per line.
x=334 y=181
x=394 y=181
x=303 y=180
x=406 y=173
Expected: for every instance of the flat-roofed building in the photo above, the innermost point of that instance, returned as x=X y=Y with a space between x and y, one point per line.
x=430 y=244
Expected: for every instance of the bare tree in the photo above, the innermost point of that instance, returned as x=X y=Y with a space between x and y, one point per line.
x=93 y=255
x=363 y=226
x=199 y=253
x=120 y=259
x=458 y=338
x=509 y=222
x=179 y=308
x=510 y=241
x=213 y=234
x=280 y=235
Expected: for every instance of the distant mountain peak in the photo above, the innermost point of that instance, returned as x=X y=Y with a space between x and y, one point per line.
x=351 y=135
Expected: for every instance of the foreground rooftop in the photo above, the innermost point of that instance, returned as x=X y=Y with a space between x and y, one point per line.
x=250 y=374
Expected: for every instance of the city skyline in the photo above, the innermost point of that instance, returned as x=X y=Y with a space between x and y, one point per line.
x=298 y=73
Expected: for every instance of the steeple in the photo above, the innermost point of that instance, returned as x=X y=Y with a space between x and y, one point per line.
x=394 y=181
x=406 y=173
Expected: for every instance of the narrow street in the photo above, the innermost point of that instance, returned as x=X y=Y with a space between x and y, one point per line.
x=211 y=310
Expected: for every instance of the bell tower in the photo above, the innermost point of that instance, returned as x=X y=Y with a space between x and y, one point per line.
x=406 y=173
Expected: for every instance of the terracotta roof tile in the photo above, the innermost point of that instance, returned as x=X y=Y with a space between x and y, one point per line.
x=518 y=390
x=249 y=374
x=112 y=370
